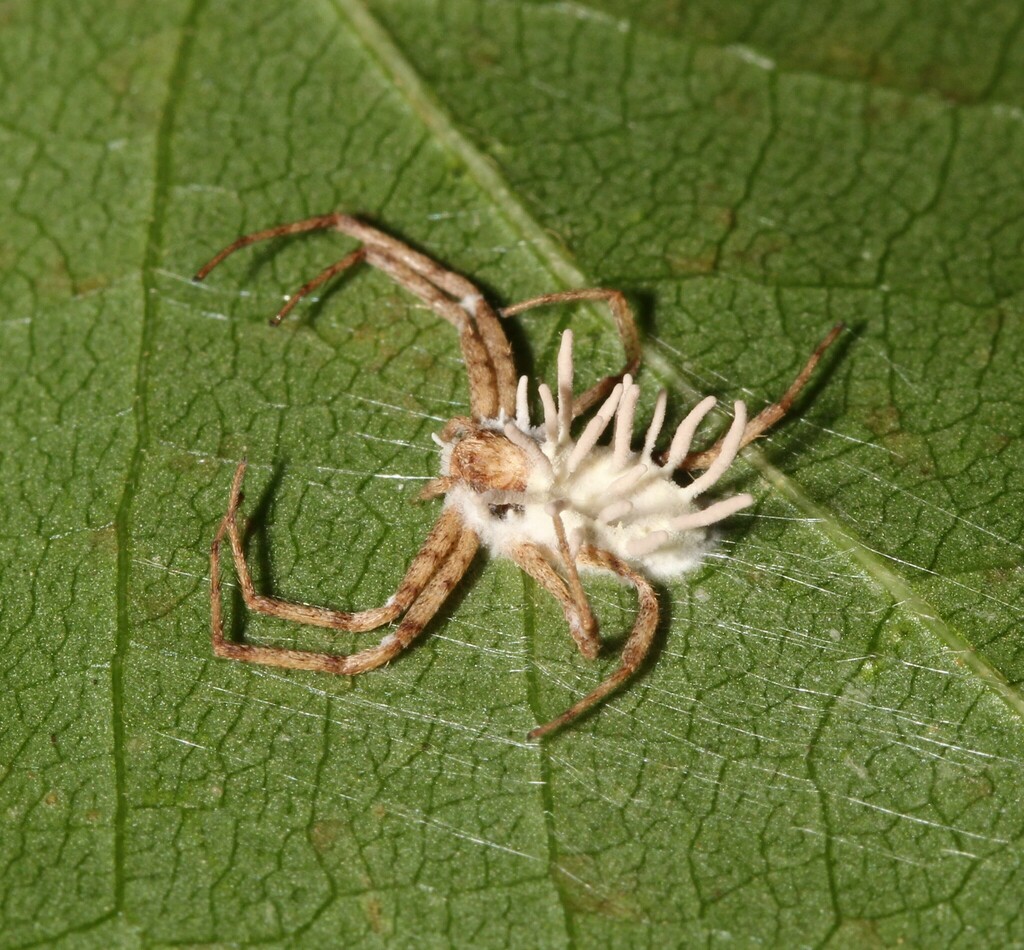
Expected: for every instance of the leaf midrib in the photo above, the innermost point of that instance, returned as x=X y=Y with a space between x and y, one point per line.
x=152 y=254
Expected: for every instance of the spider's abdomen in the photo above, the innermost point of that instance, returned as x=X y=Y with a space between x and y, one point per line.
x=509 y=480
x=627 y=505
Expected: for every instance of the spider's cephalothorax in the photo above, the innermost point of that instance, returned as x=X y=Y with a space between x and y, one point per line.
x=553 y=503
x=481 y=459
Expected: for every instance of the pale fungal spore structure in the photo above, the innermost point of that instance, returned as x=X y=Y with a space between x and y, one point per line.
x=554 y=504
x=610 y=497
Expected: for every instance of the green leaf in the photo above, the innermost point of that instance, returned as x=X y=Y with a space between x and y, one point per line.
x=828 y=746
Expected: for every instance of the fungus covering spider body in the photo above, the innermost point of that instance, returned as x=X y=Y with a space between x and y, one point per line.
x=532 y=493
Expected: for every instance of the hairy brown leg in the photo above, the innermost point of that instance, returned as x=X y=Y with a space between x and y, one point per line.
x=500 y=352
x=325 y=275
x=322 y=222
x=624 y=322
x=463 y=292
x=770 y=415
x=579 y=597
x=637 y=645
x=483 y=387
x=431 y=560
x=530 y=558
x=485 y=347
x=423 y=608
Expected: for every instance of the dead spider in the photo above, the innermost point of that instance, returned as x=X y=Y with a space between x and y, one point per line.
x=553 y=504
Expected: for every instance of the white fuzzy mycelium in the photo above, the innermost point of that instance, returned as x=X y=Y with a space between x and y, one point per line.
x=609 y=496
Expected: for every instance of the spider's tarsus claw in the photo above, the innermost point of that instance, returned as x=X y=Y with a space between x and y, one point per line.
x=830 y=337
x=200 y=275
x=541 y=731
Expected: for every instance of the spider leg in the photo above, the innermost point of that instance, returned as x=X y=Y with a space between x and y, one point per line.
x=636 y=648
x=418 y=616
x=485 y=348
x=624 y=321
x=462 y=291
x=322 y=222
x=579 y=597
x=326 y=274
x=484 y=397
x=435 y=560
x=771 y=414
x=530 y=558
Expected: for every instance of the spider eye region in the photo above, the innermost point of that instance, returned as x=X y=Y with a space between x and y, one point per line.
x=487 y=461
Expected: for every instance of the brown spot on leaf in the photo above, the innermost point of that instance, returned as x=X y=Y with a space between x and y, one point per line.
x=91 y=284
x=375 y=916
x=702 y=263
x=857 y=932
x=104 y=539
x=323 y=835
x=589 y=891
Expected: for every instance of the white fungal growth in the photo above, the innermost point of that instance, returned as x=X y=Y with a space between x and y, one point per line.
x=609 y=496
x=470 y=302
